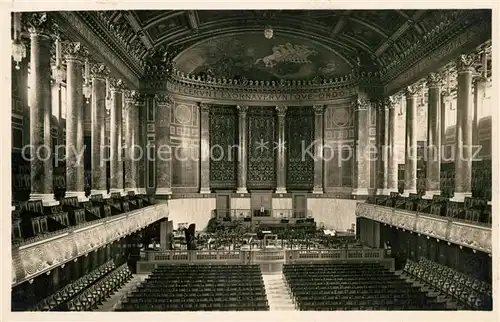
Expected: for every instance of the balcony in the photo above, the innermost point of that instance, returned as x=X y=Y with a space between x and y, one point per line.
x=32 y=259
x=475 y=235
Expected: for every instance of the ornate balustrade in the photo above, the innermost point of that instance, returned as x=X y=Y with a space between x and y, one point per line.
x=476 y=236
x=299 y=92
x=32 y=259
x=272 y=214
x=151 y=259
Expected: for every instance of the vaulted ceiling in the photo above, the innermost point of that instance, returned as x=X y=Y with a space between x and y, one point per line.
x=377 y=38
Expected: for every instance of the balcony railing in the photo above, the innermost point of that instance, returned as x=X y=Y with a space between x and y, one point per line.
x=240 y=214
x=151 y=259
x=33 y=259
x=473 y=235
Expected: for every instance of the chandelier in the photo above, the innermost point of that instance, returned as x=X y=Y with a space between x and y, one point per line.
x=57 y=70
x=87 y=88
x=18 y=48
x=268 y=32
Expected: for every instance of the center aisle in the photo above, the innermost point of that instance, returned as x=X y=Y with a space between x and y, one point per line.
x=277 y=293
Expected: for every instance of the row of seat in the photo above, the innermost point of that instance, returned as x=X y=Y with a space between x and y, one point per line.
x=200 y=287
x=472 y=209
x=355 y=286
x=467 y=291
x=31 y=221
x=56 y=302
x=103 y=289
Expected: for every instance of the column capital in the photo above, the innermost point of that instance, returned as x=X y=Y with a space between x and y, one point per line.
x=74 y=51
x=116 y=84
x=242 y=109
x=360 y=104
x=99 y=71
x=133 y=97
x=40 y=23
x=434 y=80
x=466 y=63
x=411 y=91
x=281 y=109
x=392 y=101
x=163 y=99
x=204 y=107
x=318 y=109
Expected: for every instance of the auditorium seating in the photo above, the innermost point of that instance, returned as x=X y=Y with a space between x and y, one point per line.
x=472 y=209
x=31 y=221
x=353 y=286
x=94 y=295
x=467 y=291
x=57 y=301
x=200 y=288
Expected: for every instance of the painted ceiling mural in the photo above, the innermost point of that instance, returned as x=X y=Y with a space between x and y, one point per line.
x=252 y=56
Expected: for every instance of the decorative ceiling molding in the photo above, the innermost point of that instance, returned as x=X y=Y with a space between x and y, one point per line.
x=76 y=29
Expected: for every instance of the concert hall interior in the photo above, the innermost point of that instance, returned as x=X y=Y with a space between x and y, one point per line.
x=251 y=160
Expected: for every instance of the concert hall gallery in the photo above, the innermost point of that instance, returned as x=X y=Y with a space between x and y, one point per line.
x=252 y=160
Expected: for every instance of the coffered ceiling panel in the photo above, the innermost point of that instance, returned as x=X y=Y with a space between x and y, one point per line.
x=382 y=39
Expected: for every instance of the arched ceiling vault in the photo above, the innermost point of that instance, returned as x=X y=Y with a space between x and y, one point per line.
x=376 y=38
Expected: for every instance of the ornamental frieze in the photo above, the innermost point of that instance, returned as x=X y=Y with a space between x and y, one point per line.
x=437 y=57
x=475 y=236
x=72 y=25
x=207 y=93
x=33 y=259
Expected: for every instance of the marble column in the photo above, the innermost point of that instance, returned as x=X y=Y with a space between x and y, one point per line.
x=411 y=93
x=99 y=72
x=132 y=148
x=392 y=164
x=75 y=180
x=142 y=139
x=115 y=124
x=463 y=135
x=433 y=156
x=318 y=148
x=382 y=146
x=361 y=181
x=242 y=149
x=40 y=27
x=204 y=149
x=163 y=148
x=443 y=107
x=281 y=151
x=480 y=84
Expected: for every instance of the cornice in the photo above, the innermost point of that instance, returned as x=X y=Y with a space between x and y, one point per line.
x=437 y=56
x=77 y=29
x=100 y=28
x=477 y=237
x=31 y=260
x=300 y=92
x=416 y=49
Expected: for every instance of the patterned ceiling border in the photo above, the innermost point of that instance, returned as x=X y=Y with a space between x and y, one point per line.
x=440 y=53
x=468 y=235
x=223 y=90
x=99 y=46
x=29 y=261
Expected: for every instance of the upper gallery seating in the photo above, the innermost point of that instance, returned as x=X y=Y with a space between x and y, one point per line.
x=368 y=286
x=472 y=209
x=200 y=288
x=32 y=221
x=467 y=291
